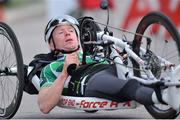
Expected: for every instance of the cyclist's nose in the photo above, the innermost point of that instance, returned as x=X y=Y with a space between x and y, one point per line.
x=67 y=32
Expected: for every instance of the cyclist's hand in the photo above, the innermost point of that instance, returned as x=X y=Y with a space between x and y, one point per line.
x=70 y=59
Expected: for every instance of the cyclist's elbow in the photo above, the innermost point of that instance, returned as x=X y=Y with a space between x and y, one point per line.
x=43 y=105
x=44 y=108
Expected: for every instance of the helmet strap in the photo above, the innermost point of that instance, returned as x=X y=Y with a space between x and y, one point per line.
x=53 y=43
x=66 y=52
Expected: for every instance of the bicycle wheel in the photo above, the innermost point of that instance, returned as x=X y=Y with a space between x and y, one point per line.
x=166 y=44
x=11 y=72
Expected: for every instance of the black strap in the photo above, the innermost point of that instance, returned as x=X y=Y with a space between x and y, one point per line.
x=76 y=74
x=66 y=52
x=159 y=95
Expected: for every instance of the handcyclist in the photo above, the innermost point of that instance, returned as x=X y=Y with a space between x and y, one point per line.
x=99 y=78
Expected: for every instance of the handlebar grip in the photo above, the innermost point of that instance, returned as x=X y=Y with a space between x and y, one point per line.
x=71 y=68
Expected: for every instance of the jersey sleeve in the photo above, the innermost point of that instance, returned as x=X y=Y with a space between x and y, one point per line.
x=49 y=74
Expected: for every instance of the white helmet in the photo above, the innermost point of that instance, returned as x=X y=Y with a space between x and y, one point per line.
x=63 y=20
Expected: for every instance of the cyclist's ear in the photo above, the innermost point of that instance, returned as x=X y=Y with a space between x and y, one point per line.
x=51 y=45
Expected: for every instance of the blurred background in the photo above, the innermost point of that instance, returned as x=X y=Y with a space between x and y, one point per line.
x=34 y=14
x=122 y=13
x=28 y=19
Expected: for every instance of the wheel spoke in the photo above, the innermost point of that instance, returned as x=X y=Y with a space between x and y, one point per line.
x=11 y=87
x=165 y=42
x=2 y=105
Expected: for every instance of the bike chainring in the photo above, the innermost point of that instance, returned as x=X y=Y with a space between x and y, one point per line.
x=153 y=63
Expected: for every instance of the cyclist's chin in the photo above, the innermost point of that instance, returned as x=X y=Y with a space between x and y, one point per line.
x=72 y=48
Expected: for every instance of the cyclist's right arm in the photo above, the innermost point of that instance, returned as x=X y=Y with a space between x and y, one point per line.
x=49 y=96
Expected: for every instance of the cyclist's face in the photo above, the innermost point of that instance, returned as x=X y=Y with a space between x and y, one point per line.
x=65 y=38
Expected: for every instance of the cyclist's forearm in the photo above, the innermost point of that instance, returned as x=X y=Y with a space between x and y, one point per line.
x=49 y=97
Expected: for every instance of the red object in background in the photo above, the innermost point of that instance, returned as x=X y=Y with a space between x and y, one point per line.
x=174 y=13
x=2 y=12
x=93 y=4
x=164 y=6
x=134 y=12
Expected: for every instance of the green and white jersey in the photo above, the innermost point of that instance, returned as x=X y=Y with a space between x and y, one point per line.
x=52 y=71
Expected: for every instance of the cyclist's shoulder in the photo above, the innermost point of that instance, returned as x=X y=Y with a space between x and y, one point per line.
x=55 y=65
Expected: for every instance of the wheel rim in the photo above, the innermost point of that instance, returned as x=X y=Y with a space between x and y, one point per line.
x=9 y=84
x=168 y=49
x=169 y=52
x=162 y=45
x=161 y=33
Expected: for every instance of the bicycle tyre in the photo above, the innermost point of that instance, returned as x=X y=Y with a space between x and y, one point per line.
x=11 y=56
x=146 y=21
x=91 y=111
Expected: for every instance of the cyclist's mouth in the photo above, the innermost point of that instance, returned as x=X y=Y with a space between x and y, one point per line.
x=69 y=40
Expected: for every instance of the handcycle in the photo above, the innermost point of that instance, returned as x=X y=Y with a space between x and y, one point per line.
x=141 y=59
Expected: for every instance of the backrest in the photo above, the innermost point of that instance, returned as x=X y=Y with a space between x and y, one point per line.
x=38 y=63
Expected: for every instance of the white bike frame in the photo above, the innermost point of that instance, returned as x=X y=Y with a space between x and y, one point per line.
x=123 y=70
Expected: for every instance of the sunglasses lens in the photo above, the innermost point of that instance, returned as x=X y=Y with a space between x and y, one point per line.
x=55 y=22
